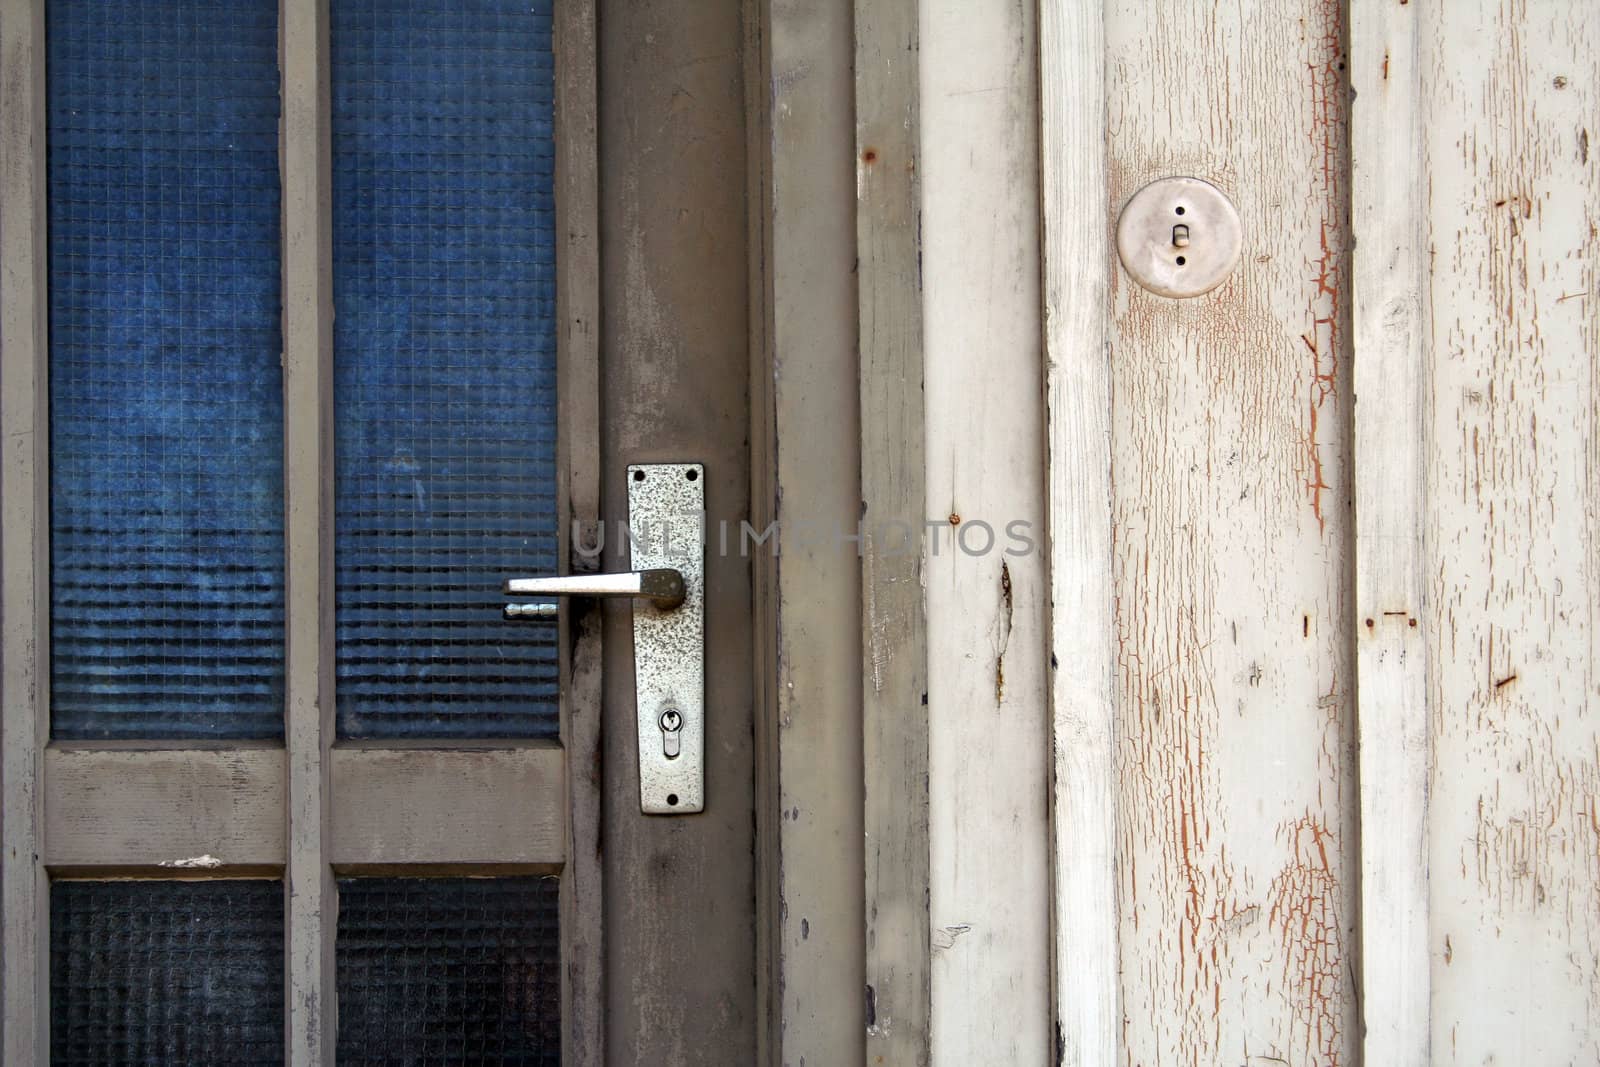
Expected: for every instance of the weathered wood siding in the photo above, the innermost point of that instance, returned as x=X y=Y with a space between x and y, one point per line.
x=1287 y=564
x=1231 y=529
x=806 y=323
x=894 y=691
x=988 y=727
x=1387 y=269
x=1511 y=99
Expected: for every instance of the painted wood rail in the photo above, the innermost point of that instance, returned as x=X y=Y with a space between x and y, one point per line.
x=1511 y=527
x=1082 y=630
x=1387 y=192
x=987 y=655
x=894 y=626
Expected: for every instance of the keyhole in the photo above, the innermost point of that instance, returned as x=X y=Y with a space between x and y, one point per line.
x=671 y=723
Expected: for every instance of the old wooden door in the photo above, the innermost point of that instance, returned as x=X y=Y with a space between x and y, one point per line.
x=320 y=323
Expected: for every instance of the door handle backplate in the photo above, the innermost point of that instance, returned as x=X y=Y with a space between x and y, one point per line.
x=666 y=523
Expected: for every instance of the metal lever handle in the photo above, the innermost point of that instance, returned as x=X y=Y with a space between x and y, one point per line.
x=663 y=585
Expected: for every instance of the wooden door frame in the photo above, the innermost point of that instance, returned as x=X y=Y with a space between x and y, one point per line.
x=836 y=333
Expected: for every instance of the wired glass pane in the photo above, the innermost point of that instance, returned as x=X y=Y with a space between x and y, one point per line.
x=166 y=411
x=444 y=364
x=449 y=970
x=156 y=972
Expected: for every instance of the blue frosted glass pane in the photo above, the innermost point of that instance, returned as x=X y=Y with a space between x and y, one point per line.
x=444 y=364
x=166 y=497
x=149 y=972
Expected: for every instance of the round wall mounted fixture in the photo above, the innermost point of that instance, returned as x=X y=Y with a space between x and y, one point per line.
x=1179 y=237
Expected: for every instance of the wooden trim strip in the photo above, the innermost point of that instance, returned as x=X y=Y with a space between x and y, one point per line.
x=484 y=808
x=311 y=900
x=477 y=808
x=894 y=631
x=1388 y=213
x=578 y=473
x=804 y=305
x=179 y=810
x=24 y=536
x=1076 y=259
x=988 y=666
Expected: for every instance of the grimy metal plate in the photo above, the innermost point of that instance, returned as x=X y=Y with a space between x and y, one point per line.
x=666 y=526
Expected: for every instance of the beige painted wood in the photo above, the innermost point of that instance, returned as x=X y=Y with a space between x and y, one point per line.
x=1512 y=453
x=894 y=636
x=1082 y=625
x=443 y=806
x=1235 y=680
x=1389 y=324
x=578 y=487
x=807 y=296
x=181 y=809
x=24 y=550
x=311 y=1025
x=989 y=724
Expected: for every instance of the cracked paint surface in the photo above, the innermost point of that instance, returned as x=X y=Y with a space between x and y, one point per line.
x=1230 y=436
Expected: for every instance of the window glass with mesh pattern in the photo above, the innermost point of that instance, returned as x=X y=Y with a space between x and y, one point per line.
x=449 y=971
x=444 y=364
x=166 y=391
x=154 y=972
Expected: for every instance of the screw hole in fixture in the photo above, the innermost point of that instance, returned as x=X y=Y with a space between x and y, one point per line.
x=672 y=798
x=692 y=475
x=638 y=476
x=1180 y=209
x=1181 y=261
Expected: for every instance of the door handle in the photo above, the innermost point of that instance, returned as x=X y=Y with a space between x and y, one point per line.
x=661 y=585
x=666 y=516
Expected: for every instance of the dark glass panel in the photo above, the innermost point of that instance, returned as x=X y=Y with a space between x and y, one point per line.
x=151 y=972
x=449 y=970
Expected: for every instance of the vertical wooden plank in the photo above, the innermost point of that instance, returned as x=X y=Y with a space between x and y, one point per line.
x=1389 y=326
x=311 y=899
x=1235 y=674
x=24 y=536
x=578 y=474
x=1512 y=91
x=986 y=587
x=680 y=902
x=894 y=634
x=805 y=239
x=1082 y=623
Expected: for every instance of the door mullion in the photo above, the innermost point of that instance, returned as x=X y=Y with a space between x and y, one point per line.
x=578 y=475
x=311 y=903
x=24 y=539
